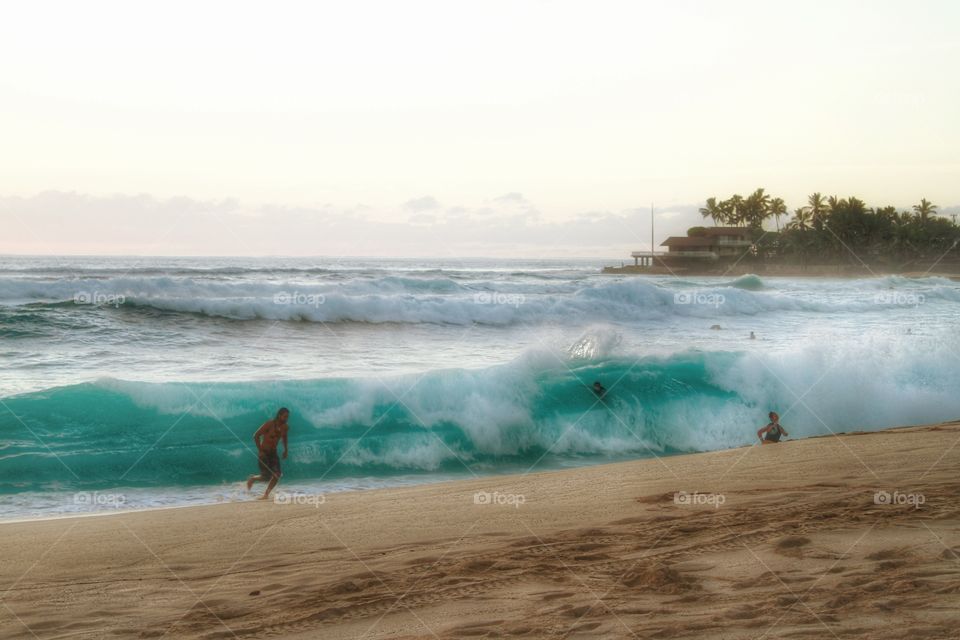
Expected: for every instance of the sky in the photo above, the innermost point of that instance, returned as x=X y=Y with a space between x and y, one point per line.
x=447 y=127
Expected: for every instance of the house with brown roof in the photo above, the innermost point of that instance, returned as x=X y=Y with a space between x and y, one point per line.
x=708 y=243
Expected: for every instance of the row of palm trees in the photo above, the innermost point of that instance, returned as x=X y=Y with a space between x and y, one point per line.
x=818 y=210
x=829 y=226
x=751 y=211
x=758 y=207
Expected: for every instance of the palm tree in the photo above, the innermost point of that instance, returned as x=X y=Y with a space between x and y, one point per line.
x=885 y=213
x=801 y=219
x=712 y=210
x=817 y=209
x=834 y=206
x=855 y=204
x=755 y=208
x=925 y=209
x=902 y=232
x=776 y=208
x=733 y=208
x=760 y=195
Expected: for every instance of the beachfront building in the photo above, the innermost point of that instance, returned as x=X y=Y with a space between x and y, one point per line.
x=698 y=251
x=707 y=244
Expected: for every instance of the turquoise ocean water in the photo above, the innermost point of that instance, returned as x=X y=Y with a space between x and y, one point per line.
x=138 y=382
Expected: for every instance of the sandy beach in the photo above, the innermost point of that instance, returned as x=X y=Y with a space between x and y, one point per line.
x=785 y=541
x=552 y=321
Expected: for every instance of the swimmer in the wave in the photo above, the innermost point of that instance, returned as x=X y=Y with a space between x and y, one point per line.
x=599 y=389
x=773 y=431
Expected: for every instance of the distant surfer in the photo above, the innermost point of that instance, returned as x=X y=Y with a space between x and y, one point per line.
x=753 y=336
x=599 y=389
x=267 y=437
x=773 y=431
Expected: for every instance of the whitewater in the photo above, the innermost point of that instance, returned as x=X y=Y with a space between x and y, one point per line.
x=144 y=378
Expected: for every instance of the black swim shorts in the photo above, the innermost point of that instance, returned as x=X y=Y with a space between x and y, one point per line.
x=270 y=464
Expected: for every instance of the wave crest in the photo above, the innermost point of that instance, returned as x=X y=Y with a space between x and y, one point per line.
x=538 y=409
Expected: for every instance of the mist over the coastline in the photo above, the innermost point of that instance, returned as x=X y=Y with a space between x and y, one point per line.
x=509 y=225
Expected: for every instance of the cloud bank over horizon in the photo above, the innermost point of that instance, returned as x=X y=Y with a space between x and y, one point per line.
x=445 y=110
x=508 y=225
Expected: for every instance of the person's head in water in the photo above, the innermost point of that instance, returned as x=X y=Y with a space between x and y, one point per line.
x=774 y=417
x=599 y=389
x=282 y=415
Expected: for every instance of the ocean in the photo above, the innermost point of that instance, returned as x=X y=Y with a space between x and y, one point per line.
x=138 y=382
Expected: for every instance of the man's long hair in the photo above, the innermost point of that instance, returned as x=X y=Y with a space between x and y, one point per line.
x=282 y=411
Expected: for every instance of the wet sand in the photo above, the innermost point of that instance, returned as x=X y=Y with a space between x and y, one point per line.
x=784 y=541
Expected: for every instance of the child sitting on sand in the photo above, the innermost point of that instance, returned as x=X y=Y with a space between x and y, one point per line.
x=773 y=430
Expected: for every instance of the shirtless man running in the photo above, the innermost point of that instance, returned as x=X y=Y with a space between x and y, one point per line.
x=267 y=437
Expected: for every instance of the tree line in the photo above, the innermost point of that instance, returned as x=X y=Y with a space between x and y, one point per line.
x=833 y=228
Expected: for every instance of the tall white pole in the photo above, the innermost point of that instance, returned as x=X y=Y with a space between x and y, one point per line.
x=651 y=235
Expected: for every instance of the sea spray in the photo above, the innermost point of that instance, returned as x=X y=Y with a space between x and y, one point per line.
x=536 y=411
x=144 y=378
x=435 y=300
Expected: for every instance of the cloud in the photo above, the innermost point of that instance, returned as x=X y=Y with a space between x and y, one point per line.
x=669 y=215
x=63 y=223
x=422 y=218
x=513 y=197
x=949 y=211
x=425 y=203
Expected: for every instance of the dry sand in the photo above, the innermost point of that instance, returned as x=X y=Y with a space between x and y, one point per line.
x=797 y=549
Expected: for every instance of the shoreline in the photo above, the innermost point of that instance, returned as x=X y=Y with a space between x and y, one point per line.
x=426 y=482
x=440 y=484
x=623 y=549
x=99 y=514
x=812 y=272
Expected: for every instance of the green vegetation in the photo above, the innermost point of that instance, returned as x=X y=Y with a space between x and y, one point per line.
x=838 y=230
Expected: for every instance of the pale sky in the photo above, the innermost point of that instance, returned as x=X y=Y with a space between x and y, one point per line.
x=445 y=115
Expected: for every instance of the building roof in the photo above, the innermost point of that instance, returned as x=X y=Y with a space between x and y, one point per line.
x=684 y=241
x=726 y=231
